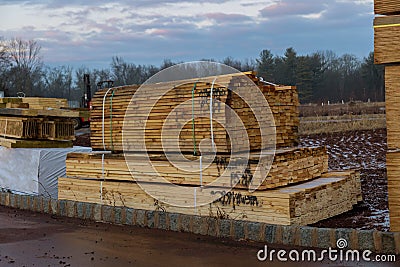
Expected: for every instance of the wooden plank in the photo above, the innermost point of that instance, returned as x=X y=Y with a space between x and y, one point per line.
x=386 y=39
x=39 y=113
x=387 y=7
x=392 y=85
x=45 y=103
x=283 y=102
x=14 y=143
x=289 y=166
x=300 y=204
x=393 y=176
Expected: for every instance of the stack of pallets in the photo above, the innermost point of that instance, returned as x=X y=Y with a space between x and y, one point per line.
x=22 y=127
x=387 y=51
x=296 y=187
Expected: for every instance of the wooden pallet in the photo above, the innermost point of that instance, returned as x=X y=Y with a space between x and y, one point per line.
x=393 y=174
x=387 y=38
x=18 y=143
x=392 y=84
x=283 y=102
x=289 y=166
x=37 y=128
x=387 y=7
x=301 y=204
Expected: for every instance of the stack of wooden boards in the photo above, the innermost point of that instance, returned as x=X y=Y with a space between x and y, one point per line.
x=296 y=188
x=387 y=51
x=283 y=102
x=22 y=126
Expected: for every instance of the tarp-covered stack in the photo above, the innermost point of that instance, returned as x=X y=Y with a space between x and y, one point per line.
x=387 y=51
x=22 y=126
x=296 y=187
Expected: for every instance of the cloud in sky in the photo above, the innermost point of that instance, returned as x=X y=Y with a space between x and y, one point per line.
x=146 y=32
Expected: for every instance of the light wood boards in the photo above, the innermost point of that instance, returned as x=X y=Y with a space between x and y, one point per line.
x=45 y=103
x=393 y=175
x=38 y=112
x=283 y=102
x=392 y=84
x=387 y=38
x=387 y=7
x=289 y=166
x=18 y=143
x=301 y=204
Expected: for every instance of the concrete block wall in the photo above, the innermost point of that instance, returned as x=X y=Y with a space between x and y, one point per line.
x=376 y=241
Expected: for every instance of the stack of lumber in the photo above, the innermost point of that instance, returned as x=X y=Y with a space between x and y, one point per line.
x=12 y=102
x=387 y=7
x=283 y=102
x=387 y=37
x=295 y=187
x=393 y=174
x=392 y=85
x=35 y=128
x=289 y=166
x=45 y=103
x=387 y=51
x=301 y=204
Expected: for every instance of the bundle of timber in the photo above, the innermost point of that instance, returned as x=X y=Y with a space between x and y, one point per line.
x=30 y=128
x=393 y=175
x=12 y=102
x=45 y=103
x=289 y=166
x=392 y=84
x=387 y=51
x=387 y=7
x=387 y=37
x=181 y=101
x=300 y=204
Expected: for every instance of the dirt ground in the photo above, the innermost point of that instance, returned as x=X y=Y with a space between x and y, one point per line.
x=34 y=239
x=364 y=151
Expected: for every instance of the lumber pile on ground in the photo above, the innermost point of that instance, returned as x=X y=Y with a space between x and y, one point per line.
x=283 y=102
x=387 y=51
x=301 y=204
x=392 y=84
x=295 y=189
x=393 y=173
x=290 y=166
x=22 y=126
x=387 y=7
x=387 y=37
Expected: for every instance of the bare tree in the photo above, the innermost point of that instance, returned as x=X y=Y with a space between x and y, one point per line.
x=26 y=65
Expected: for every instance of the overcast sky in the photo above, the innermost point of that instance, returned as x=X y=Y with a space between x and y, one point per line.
x=89 y=33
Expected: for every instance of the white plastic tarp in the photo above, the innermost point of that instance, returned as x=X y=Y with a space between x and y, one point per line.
x=34 y=170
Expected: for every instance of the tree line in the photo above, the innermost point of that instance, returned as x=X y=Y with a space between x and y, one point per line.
x=320 y=76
